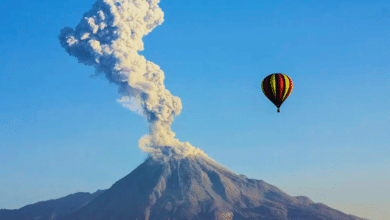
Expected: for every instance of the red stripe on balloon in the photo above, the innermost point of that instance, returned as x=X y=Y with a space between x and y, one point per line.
x=280 y=86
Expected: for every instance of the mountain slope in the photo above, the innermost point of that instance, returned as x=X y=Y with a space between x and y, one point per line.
x=51 y=209
x=196 y=187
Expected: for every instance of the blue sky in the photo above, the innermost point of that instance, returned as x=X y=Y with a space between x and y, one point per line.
x=62 y=131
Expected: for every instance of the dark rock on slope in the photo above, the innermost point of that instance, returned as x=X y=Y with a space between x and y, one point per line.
x=196 y=187
x=51 y=209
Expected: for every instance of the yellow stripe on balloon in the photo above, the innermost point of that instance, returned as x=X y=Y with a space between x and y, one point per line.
x=262 y=86
x=286 y=86
x=273 y=84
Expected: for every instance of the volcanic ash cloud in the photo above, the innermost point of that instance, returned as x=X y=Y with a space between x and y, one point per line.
x=109 y=37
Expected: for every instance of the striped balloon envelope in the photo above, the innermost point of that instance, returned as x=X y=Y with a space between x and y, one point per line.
x=277 y=87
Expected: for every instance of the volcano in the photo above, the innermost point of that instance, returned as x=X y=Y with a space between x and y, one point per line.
x=196 y=187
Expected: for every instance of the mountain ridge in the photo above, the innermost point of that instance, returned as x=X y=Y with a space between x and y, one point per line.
x=196 y=187
x=50 y=209
x=181 y=188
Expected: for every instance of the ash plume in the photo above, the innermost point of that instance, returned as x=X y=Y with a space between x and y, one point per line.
x=109 y=37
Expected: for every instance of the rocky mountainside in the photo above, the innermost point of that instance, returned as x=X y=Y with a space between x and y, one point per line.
x=51 y=209
x=196 y=187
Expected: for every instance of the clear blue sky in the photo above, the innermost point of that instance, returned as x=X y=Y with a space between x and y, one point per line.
x=62 y=131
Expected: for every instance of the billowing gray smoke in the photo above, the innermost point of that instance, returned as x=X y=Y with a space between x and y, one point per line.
x=109 y=37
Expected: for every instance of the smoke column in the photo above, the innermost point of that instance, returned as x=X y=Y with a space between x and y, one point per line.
x=109 y=37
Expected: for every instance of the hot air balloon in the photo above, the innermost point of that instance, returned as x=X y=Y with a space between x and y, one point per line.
x=277 y=87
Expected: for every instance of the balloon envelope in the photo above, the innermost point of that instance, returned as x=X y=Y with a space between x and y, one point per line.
x=277 y=87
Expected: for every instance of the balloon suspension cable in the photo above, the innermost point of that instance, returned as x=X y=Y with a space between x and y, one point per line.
x=278 y=110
